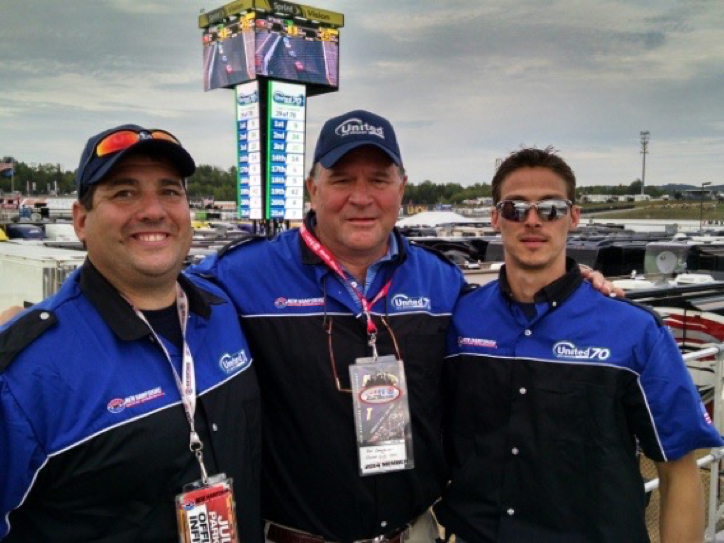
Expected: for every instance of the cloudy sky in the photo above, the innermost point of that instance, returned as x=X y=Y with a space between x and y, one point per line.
x=463 y=81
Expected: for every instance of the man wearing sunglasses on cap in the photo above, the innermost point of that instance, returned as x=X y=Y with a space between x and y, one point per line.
x=133 y=381
x=551 y=386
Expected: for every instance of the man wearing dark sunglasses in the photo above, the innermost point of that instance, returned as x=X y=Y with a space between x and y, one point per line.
x=133 y=381
x=551 y=386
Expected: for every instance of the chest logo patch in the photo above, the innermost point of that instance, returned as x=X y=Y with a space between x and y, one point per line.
x=566 y=349
x=282 y=302
x=477 y=342
x=231 y=363
x=403 y=302
x=117 y=405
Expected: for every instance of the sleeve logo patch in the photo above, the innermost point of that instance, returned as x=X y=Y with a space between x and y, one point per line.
x=705 y=413
x=566 y=349
x=231 y=363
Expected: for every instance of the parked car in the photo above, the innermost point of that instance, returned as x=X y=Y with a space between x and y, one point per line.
x=24 y=231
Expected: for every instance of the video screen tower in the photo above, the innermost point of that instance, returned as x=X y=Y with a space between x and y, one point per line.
x=274 y=54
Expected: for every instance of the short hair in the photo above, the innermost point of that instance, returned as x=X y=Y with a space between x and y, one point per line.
x=532 y=157
x=314 y=170
x=86 y=199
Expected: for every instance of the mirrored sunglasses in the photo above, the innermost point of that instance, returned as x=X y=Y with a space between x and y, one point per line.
x=548 y=210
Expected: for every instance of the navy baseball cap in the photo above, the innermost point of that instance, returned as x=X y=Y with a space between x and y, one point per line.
x=342 y=134
x=104 y=150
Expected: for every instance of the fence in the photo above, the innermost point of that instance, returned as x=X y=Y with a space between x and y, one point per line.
x=713 y=459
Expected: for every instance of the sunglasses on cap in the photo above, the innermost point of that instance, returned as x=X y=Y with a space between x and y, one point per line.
x=123 y=139
x=548 y=210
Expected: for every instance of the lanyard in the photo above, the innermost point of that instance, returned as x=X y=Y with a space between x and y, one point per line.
x=322 y=252
x=186 y=382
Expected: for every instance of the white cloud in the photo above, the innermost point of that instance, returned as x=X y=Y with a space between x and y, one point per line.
x=464 y=81
x=141 y=7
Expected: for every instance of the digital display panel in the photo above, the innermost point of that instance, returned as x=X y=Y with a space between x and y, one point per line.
x=229 y=53
x=293 y=51
x=249 y=151
x=287 y=109
x=262 y=44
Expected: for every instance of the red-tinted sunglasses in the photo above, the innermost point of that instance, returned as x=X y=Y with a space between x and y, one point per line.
x=123 y=139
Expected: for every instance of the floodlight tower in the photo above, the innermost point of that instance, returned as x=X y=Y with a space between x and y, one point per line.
x=644 y=150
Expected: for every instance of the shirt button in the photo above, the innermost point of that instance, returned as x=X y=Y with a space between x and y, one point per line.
x=383 y=523
x=214 y=427
x=527 y=332
x=522 y=391
x=515 y=450
x=353 y=284
x=554 y=304
x=511 y=512
x=44 y=316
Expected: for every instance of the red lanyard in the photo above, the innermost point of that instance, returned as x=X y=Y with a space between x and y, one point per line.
x=322 y=252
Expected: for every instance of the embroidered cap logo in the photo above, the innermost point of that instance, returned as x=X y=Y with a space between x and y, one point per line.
x=355 y=127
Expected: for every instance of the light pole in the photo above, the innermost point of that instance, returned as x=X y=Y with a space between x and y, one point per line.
x=701 y=205
x=644 y=149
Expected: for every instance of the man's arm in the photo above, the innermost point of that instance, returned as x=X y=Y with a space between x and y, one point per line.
x=682 y=501
x=9 y=313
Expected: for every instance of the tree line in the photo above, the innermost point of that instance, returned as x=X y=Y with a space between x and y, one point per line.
x=44 y=179
x=219 y=184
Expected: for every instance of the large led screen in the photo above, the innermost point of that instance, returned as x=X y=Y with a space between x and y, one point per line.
x=261 y=44
x=292 y=51
x=229 y=53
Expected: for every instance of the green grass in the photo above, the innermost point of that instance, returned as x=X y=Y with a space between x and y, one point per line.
x=665 y=211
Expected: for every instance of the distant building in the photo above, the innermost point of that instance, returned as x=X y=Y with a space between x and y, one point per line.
x=699 y=194
x=598 y=198
x=482 y=201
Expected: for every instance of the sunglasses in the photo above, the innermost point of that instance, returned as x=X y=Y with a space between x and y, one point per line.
x=123 y=139
x=548 y=210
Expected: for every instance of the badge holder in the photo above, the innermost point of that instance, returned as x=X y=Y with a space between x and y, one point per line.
x=382 y=415
x=206 y=510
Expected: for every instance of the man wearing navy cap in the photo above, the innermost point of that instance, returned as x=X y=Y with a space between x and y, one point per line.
x=132 y=381
x=316 y=300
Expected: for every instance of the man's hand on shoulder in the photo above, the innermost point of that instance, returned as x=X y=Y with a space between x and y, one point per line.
x=600 y=283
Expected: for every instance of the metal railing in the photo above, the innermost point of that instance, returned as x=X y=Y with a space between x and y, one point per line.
x=713 y=459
